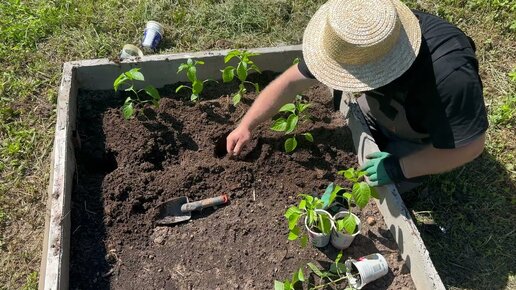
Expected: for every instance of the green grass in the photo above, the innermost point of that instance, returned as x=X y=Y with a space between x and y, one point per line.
x=475 y=203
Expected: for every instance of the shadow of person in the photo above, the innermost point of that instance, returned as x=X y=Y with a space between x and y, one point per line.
x=467 y=221
x=327 y=144
x=89 y=265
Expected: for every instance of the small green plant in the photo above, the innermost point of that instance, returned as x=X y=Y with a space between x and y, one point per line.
x=307 y=207
x=359 y=193
x=298 y=276
x=131 y=103
x=191 y=72
x=336 y=273
x=504 y=113
x=244 y=66
x=296 y=113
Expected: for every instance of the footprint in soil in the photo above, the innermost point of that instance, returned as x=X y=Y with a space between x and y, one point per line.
x=250 y=153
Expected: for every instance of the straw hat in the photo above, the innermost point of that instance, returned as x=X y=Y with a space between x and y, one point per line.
x=359 y=45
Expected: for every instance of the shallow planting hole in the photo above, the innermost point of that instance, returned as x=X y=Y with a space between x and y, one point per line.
x=220 y=146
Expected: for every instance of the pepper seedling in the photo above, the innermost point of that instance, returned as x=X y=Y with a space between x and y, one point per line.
x=296 y=113
x=298 y=276
x=244 y=66
x=191 y=73
x=130 y=104
x=330 y=277
x=359 y=193
x=307 y=207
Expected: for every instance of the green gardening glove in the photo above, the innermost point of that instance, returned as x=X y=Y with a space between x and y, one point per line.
x=382 y=168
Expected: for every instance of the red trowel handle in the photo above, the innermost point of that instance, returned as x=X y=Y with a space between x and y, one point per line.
x=200 y=204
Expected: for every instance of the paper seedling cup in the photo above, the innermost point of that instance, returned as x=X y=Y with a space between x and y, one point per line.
x=319 y=240
x=130 y=50
x=368 y=268
x=342 y=240
x=152 y=35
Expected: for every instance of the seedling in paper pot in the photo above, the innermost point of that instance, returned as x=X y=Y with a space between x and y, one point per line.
x=296 y=113
x=360 y=193
x=310 y=207
x=128 y=78
x=244 y=66
x=191 y=72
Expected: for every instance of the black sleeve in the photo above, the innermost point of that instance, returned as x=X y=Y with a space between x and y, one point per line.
x=463 y=108
x=304 y=69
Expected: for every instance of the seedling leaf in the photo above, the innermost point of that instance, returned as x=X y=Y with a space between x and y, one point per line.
x=302 y=204
x=361 y=193
x=291 y=123
x=242 y=71
x=339 y=256
x=316 y=270
x=236 y=99
x=290 y=144
x=309 y=137
x=304 y=240
x=279 y=125
x=182 y=67
x=256 y=87
x=228 y=74
x=230 y=55
x=326 y=197
x=347 y=223
x=279 y=285
x=151 y=91
x=128 y=110
x=194 y=97
x=121 y=79
x=254 y=67
x=325 y=224
x=135 y=74
x=298 y=276
x=192 y=73
x=303 y=107
x=290 y=107
x=197 y=87
x=181 y=87
x=293 y=234
x=292 y=210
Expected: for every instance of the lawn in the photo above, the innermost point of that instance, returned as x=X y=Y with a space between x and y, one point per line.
x=467 y=217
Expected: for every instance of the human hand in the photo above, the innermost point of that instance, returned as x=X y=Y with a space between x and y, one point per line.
x=237 y=139
x=382 y=168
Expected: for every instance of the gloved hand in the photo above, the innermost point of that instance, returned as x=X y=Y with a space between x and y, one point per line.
x=382 y=168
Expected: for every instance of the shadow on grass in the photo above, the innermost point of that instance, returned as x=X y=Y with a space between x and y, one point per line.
x=467 y=220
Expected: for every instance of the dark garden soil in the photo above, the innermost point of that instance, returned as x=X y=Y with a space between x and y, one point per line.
x=127 y=168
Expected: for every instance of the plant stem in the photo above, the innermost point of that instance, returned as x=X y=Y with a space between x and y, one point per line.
x=332 y=282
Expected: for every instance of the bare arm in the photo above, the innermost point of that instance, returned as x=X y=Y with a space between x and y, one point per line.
x=431 y=160
x=279 y=92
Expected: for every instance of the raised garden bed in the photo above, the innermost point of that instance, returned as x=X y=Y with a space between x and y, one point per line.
x=126 y=168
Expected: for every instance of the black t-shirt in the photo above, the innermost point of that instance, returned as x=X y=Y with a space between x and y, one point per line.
x=441 y=92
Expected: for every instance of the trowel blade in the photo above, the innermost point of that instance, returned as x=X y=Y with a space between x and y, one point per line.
x=170 y=211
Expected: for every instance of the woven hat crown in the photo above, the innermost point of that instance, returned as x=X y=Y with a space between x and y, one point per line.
x=360 y=31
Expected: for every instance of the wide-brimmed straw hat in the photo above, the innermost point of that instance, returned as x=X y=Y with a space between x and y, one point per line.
x=359 y=45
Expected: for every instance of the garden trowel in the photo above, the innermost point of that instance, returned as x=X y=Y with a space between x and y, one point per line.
x=178 y=209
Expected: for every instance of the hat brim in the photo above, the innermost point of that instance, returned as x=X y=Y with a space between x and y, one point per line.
x=363 y=77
